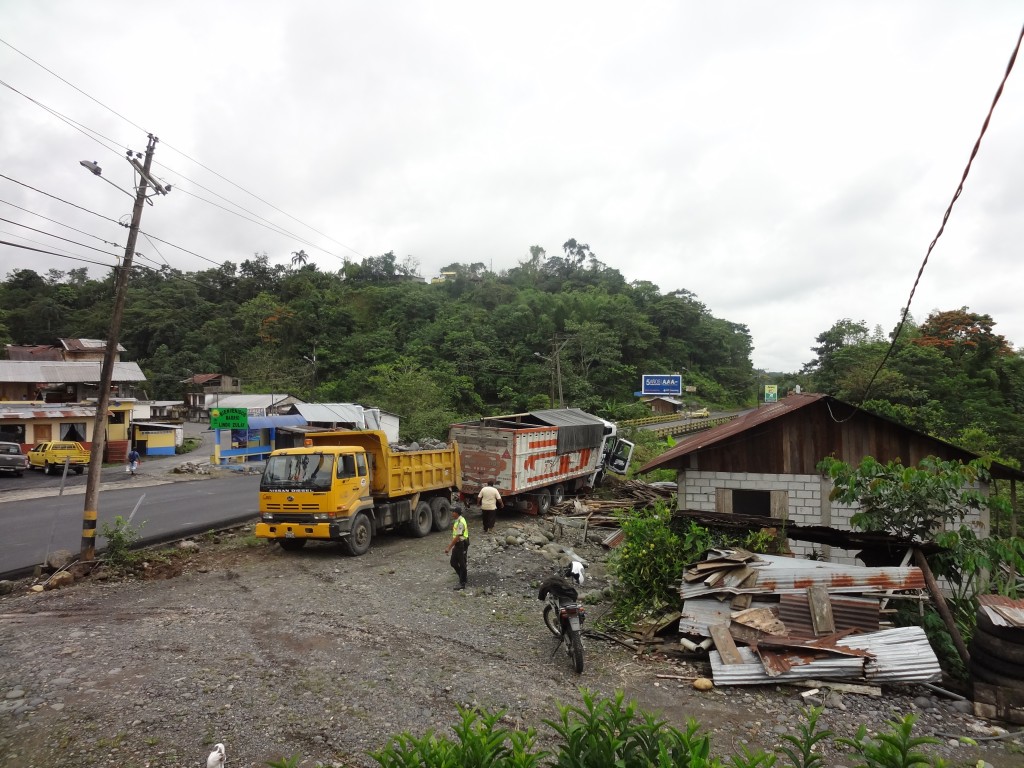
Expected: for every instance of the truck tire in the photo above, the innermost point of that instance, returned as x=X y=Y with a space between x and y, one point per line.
x=79 y=470
x=557 y=494
x=358 y=540
x=442 y=509
x=47 y=468
x=543 y=501
x=292 y=545
x=422 y=520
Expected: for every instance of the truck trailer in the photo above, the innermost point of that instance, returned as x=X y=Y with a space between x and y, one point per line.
x=347 y=486
x=534 y=459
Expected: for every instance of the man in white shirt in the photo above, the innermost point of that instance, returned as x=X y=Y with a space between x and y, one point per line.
x=490 y=501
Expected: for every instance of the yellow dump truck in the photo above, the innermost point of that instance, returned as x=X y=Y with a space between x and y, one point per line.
x=348 y=485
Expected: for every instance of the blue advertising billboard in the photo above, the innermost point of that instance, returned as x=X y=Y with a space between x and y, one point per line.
x=670 y=384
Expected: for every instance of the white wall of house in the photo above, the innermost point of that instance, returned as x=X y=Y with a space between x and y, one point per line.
x=800 y=499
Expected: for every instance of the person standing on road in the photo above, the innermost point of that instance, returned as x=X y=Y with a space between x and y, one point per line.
x=133 y=460
x=490 y=501
x=459 y=545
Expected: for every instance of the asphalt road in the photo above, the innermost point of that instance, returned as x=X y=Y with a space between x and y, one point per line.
x=41 y=523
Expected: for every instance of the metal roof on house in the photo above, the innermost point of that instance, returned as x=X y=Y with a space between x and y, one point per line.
x=41 y=412
x=44 y=372
x=332 y=413
x=34 y=352
x=751 y=420
x=276 y=422
x=87 y=345
x=215 y=400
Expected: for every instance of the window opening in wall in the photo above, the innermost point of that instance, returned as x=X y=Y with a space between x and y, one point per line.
x=752 y=503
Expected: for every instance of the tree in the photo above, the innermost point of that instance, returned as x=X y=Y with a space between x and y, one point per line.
x=299 y=258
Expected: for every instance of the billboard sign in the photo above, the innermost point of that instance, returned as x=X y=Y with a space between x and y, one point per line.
x=229 y=418
x=671 y=384
x=771 y=393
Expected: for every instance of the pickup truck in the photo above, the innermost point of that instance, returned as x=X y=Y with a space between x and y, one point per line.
x=50 y=457
x=12 y=459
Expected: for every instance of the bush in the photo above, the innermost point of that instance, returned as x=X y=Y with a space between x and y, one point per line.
x=121 y=537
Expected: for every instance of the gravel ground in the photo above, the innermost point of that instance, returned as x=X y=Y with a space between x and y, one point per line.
x=328 y=656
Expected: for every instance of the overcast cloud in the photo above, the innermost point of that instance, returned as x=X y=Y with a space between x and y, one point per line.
x=788 y=163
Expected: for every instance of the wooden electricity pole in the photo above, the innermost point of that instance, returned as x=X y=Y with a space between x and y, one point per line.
x=99 y=434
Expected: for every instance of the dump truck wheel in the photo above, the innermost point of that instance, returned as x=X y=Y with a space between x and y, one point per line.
x=358 y=541
x=557 y=495
x=422 y=520
x=442 y=510
x=543 y=501
x=79 y=470
x=292 y=545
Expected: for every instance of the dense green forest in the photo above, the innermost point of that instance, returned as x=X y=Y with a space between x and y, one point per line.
x=482 y=342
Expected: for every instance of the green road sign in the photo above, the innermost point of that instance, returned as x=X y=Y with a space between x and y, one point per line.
x=229 y=418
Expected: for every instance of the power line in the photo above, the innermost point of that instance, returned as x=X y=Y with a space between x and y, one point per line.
x=191 y=159
x=60 y=223
x=52 y=253
x=73 y=123
x=945 y=218
x=60 y=199
x=58 y=237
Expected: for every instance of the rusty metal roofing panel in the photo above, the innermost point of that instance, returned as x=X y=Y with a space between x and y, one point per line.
x=1003 y=611
x=740 y=424
x=893 y=655
x=856 y=613
x=46 y=413
x=789 y=575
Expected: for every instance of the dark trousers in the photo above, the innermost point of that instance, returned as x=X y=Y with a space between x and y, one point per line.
x=458 y=560
x=489 y=516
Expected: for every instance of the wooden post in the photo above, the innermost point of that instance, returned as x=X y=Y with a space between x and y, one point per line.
x=940 y=604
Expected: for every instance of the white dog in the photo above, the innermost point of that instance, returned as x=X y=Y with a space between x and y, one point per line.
x=217 y=757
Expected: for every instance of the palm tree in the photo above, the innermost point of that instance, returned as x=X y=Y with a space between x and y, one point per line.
x=299 y=258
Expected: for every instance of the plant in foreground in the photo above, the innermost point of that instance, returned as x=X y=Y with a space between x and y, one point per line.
x=121 y=537
x=895 y=748
x=800 y=748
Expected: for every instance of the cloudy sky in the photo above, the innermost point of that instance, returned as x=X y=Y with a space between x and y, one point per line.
x=788 y=163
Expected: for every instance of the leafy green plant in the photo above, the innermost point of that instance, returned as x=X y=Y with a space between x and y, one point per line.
x=649 y=562
x=612 y=732
x=285 y=762
x=121 y=537
x=480 y=744
x=799 y=748
x=894 y=748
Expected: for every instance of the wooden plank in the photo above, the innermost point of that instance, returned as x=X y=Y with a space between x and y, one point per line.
x=821 y=610
x=725 y=645
x=866 y=690
x=764 y=619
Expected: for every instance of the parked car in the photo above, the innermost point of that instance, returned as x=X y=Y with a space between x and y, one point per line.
x=700 y=413
x=12 y=459
x=50 y=457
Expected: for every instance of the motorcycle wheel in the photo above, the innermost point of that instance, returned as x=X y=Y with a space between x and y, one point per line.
x=576 y=650
x=551 y=620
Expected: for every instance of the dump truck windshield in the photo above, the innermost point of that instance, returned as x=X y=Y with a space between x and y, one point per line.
x=297 y=472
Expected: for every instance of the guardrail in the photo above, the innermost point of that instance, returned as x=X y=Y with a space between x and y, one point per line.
x=651 y=420
x=695 y=426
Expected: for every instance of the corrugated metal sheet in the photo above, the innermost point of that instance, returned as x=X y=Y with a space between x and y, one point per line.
x=215 y=400
x=43 y=372
x=893 y=655
x=273 y=422
x=788 y=575
x=857 y=613
x=46 y=413
x=1003 y=611
x=332 y=413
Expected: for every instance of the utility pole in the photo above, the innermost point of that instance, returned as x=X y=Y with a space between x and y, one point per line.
x=99 y=436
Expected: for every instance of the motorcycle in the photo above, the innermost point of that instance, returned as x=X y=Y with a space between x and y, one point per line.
x=564 y=616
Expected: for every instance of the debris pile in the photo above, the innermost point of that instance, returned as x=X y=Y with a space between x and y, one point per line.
x=801 y=619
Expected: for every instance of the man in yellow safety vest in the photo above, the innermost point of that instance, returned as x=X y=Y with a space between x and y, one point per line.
x=459 y=545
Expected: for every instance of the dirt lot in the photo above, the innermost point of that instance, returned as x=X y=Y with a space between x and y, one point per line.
x=327 y=656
